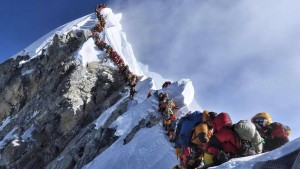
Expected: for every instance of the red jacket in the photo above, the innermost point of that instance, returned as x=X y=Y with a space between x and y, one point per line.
x=224 y=137
x=221 y=120
x=226 y=140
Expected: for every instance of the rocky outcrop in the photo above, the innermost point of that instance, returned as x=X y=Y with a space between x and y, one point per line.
x=144 y=123
x=54 y=100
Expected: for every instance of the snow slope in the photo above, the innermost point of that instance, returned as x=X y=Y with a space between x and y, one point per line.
x=150 y=147
x=36 y=47
x=248 y=162
x=148 y=143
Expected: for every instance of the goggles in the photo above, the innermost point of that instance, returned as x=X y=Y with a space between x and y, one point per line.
x=259 y=120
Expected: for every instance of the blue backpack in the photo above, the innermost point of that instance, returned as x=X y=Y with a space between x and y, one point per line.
x=177 y=132
x=187 y=124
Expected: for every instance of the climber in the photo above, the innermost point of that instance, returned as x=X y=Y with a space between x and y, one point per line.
x=183 y=138
x=103 y=23
x=274 y=134
x=99 y=8
x=132 y=80
x=109 y=51
x=121 y=62
x=132 y=92
x=117 y=59
x=224 y=143
x=98 y=28
x=251 y=141
x=166 y=84
x=123 y=68
x=106 y=46
x=114 y=56
x=97 y=40
x=203 y=131
x=100 y=18
x=172 y=129
x=149 y=94
x=168 y=107
x=94 y=33
x=200 y=136
x=100 y=43
x=162 y=97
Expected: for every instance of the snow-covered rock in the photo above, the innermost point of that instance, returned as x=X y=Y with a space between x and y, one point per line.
x=65 y=105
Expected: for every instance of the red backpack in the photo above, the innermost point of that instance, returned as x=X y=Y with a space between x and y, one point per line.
x=279 y=130
x=221 y=120
x=185 y=156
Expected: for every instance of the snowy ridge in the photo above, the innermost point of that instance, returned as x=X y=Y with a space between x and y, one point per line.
x=117 y=39
x=150 y=147
x=114 y=37
x=36 y=47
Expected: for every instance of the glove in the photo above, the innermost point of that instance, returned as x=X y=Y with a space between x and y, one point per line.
x=222 y=157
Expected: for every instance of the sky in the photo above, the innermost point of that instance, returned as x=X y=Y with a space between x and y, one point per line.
x=242 y=56
x=27 y=21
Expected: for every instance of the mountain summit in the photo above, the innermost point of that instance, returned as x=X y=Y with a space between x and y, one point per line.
x=64 y=104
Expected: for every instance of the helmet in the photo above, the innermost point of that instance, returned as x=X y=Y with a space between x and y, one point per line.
x=212 y=115
x=208 y=115
x=205 y=115
x=261 y=117
x=287 y=130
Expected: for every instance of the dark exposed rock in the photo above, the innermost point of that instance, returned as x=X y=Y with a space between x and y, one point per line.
x=144 y=123
x=56 y=101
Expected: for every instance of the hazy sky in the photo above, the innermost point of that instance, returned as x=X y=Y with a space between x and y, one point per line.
x=242 y=56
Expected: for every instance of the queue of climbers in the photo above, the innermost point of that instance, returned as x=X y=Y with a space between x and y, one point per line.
x=205 y=139
x=130 y=78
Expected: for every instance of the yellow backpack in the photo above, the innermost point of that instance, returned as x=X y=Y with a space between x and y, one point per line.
x=198 y=130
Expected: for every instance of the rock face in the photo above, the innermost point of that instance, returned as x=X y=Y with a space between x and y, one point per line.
x=48 y=104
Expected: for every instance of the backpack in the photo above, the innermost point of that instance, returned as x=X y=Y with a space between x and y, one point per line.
x=250 y=138
x=177 y=132
x=201 y=134
x=173 y=125
x=279 y=130
x=188 y=124
x=185 y=156
x=245 y=129
x=276 y=136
